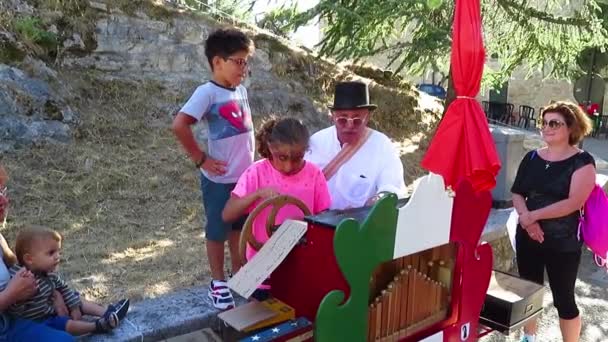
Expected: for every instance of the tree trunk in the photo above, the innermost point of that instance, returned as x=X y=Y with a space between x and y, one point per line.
x=451 y=92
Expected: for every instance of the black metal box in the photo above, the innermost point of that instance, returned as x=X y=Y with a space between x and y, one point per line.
x=510 y=302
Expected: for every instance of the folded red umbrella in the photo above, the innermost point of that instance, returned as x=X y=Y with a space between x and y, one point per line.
x=463 y=146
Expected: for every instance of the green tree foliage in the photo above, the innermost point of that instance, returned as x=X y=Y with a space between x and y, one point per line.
x=280 y=20
x=414 y=35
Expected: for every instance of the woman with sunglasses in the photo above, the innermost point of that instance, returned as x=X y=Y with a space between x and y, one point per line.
x=551 y=185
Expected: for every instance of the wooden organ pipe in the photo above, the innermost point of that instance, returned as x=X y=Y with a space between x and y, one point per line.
x=409 y=294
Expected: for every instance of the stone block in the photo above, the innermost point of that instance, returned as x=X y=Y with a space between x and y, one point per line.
x=510 y=148
x=495 y=233
x=171 y=315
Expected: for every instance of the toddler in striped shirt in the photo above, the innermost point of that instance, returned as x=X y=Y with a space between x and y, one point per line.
x=38 y=249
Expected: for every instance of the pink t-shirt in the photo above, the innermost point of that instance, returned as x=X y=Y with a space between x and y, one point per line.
x=308 y=185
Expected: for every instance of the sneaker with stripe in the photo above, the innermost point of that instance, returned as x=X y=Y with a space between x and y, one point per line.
x=220 y=295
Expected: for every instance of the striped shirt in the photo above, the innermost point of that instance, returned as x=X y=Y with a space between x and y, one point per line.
x=40 y=306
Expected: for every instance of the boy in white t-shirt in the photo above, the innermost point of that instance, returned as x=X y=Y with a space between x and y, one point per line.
x=223 y=103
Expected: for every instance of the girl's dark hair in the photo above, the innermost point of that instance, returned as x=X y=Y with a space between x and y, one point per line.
x=288 y=131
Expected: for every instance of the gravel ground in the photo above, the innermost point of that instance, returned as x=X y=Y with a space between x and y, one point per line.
x=592 y=300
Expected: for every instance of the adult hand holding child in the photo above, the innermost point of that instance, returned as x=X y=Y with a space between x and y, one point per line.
x=22 y=286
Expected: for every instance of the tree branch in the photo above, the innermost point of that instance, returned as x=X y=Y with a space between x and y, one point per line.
x=543 y=16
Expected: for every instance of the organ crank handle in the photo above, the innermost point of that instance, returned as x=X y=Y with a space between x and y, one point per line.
x=277 y=203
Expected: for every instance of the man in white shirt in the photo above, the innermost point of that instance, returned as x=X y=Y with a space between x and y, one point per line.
x=358 y=162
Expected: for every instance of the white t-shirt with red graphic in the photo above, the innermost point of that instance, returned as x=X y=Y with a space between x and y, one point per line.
x=228 y=116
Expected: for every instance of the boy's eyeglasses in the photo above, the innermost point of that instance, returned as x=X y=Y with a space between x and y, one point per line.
x=343 y=121
x=241 y=62
x=552 y=124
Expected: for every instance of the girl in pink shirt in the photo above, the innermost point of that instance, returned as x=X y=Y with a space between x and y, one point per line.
x=283 y=170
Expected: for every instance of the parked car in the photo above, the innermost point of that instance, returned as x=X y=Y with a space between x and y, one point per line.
x=432 y=89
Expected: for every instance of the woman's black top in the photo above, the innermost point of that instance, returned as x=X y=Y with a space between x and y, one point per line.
x=543 y=183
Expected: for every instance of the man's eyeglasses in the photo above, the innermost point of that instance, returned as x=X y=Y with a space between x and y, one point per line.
x=552 y=124
x=241 y=62
x=343 y=121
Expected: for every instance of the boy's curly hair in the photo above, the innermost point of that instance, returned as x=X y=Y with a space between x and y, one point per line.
x=27 y=238
x=225 y=42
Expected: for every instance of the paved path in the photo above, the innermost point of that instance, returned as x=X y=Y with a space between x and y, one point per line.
x=205 y=335
x=599 y=148
x=592 y=300
x=596 y=146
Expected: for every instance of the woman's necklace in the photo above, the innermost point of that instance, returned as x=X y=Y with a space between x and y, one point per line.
x=547 y=162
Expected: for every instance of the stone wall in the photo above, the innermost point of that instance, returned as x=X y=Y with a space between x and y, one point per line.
x=166 y=46
x=283 y=78
x=535 y=91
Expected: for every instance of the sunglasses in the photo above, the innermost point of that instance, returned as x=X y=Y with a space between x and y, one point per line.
x=552 y=124
x=343 y=121
x=241 y=62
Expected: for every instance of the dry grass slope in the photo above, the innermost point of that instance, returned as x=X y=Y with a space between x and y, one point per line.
x=123 y=195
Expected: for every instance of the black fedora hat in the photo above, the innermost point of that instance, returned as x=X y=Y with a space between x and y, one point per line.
x=352 y=95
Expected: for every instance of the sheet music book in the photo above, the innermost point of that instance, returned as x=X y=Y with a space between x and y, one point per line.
x=268 y=258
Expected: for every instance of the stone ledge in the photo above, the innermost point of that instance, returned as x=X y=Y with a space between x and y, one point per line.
x=167 y=316
x=496 y=227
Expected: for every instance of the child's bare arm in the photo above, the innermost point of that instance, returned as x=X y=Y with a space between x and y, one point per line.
x=236 y=206
x=183 y=133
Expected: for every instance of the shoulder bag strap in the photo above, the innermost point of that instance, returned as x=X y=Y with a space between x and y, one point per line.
x=347 y=151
